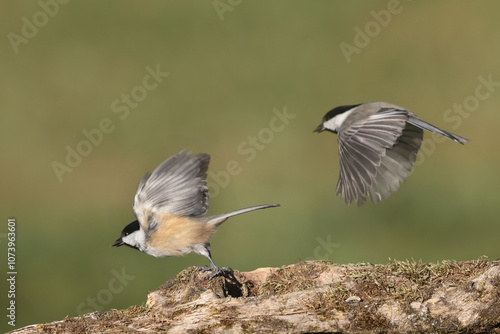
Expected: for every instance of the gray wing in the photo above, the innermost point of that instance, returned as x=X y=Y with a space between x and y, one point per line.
x=375 y=155
x=178 y=186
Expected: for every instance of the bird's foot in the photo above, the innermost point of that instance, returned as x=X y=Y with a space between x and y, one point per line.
x=215 y=271
x=205 y=268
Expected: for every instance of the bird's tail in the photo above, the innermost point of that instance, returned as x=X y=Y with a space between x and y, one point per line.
x=219 y=219
x=429 y=127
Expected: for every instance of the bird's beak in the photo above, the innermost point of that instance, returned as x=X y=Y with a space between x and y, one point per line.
x=117 y=243
x=320 y=128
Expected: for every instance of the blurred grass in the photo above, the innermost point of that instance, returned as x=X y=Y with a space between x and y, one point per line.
x=225 y=79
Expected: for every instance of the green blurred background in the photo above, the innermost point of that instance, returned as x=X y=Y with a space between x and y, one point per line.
x=230 y=65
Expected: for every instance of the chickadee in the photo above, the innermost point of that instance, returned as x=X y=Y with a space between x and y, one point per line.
x=378 y=144
x=170 y=206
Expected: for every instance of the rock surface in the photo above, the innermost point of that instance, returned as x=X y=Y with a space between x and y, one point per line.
x=319 y=296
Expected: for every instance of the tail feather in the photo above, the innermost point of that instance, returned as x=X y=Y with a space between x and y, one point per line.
x=429 y=127
x=219 y=219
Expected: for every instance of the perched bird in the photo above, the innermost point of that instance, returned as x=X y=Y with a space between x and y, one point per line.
x=170 y=206
x=378 y=144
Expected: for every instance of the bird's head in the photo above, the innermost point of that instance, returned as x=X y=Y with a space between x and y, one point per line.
x=131 y=236
x=334 y=118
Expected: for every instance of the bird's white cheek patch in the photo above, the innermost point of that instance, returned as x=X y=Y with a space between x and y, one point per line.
x=335 y=123
x=137 y=239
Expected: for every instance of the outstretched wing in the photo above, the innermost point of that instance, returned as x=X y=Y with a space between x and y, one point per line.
x=178 y=186
x=376 y=153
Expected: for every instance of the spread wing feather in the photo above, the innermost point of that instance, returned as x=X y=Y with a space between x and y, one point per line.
x=375 y=155
x=178 y=186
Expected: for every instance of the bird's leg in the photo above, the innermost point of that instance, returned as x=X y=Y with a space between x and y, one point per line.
x=216 y=271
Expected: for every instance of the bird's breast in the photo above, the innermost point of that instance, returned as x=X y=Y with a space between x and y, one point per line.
x=175 y=236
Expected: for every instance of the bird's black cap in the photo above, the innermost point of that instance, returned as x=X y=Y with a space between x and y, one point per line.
x=332 y=113
x=132 y=227
x=337 y=111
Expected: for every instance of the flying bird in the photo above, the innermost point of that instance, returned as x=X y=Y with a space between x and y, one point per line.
x=378 y=144
x=170 y=206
